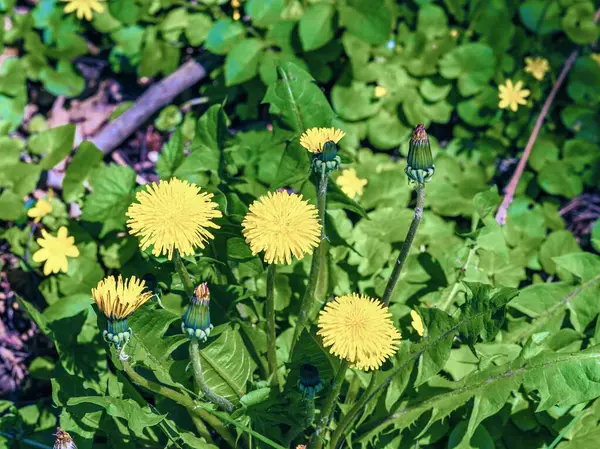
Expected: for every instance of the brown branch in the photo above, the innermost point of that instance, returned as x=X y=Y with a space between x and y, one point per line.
x=156 y=97
x=509 y=192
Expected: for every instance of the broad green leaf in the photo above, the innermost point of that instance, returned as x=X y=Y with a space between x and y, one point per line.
x=171 y=156
x=224 y=34
x=265 y=12
x=62 y=81
x=541 y=16
x=558 y=243
x=583 y=265
x=54 y=144
x=579 y=23
x=558 y=178
x=87 y=158
x=198 y=28
x=370 y=21
x=242 y=61
x=11 y=205
x=472 y=64
x=112 y=193
x=316 y=26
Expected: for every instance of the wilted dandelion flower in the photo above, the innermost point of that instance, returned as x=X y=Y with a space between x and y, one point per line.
x=351 y=185
x=282 y=225
x=63 y=440
x=83 y=8
x=538 y=67
x=117 y=300
x=417 y=322
x=511 y=96
x=42 y=208
x=55 y=250
x=359 y=329
x=315 y=138
x=173 y=215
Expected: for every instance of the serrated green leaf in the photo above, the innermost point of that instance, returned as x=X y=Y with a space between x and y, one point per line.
x=55 y=144
x=86 y=159
x=242 y=61
x=316 y=26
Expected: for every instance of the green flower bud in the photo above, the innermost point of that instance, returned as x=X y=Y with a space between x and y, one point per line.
x=328 y=159
x=117 y=332
x=196 y=319
x=310 y=382
x=419 y=167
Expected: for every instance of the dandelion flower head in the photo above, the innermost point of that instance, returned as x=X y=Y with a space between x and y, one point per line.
x=83 y=8
x=282 y=224
x=512 y=95
x=351 y=185
x=538 y=67
x=173 y=215
x=55 y=250
x=117 y=299
x=359 y=329
x=314 y=138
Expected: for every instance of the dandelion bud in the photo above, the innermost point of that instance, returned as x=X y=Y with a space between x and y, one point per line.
x=117 y=332
x=419 y=167
x=310 y=382
x=196 y=319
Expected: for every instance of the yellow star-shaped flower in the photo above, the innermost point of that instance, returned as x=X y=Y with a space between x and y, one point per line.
x=55 y=250
x=83 y=8
x=538 y=67
x=351 y=184
x=42 y=208
x=511 y=96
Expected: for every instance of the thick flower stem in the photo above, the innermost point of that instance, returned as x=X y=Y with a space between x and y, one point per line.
x=315 y=268
x=182 y=400
x=271 y=343
x=410 y=236
x=316 y=441
x=186 y=278
x=213 y=397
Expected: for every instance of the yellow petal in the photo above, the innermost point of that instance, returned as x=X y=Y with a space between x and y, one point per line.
x=62 y=233
x=41 y=255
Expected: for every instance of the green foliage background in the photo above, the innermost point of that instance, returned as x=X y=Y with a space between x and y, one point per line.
x=498 y=367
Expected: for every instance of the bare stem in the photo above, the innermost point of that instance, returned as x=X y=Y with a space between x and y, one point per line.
x=315 y=268
x=410 y=236
x=186 y=278
x=271 y=336
x=209 y=394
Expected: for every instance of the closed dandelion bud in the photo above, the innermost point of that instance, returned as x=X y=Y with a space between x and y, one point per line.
x=310 y=382
x=196 y=319
x=117 y=332
x=322 y=143
x=419 y=167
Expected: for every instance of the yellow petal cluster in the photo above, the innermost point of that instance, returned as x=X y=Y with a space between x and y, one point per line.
x=282 y=225
x=314 y=138
x=117 y=299
x=538 y=67
x=417 y=322
x=55 y=250
x=350 y=183
x=359 y=329
x=173 y=215
x=512 y=95
x=42 y=208
x=83 y=8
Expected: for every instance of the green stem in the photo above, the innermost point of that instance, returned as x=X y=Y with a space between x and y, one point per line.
x=182 y=400
x=186 y=278
x=348 y=417
x=315 y=268
x=450 y=299
x=410 y=236
x=213 y=397
x=316 y=441
x=200 y=427
x=271 y=343
x=567 y=428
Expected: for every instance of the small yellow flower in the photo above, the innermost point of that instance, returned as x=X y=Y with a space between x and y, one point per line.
x=359 y=329
x=351 y=184
x=55 y=250
x=380 y=92
x=117 y=299
x=83 y=8
x=596 y=57
x=511 y=96
x=538 y=67
x=454 y=33
x=42 y=208
x=314 y=138
x=282 y=225
x=417 y=322
x=173 y=215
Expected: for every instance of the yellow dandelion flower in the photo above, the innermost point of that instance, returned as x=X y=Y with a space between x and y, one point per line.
x=314 y=138
x=173 y=215
x=538 y=67
x=117 y=299
x=596 y=57
x=83 y=8
x=55 y=250
x=511 y=96
x=42 y=208
x=380 y=92
x=351 y=184
x=282 y=225
x=417 y=322
x=359 y=329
